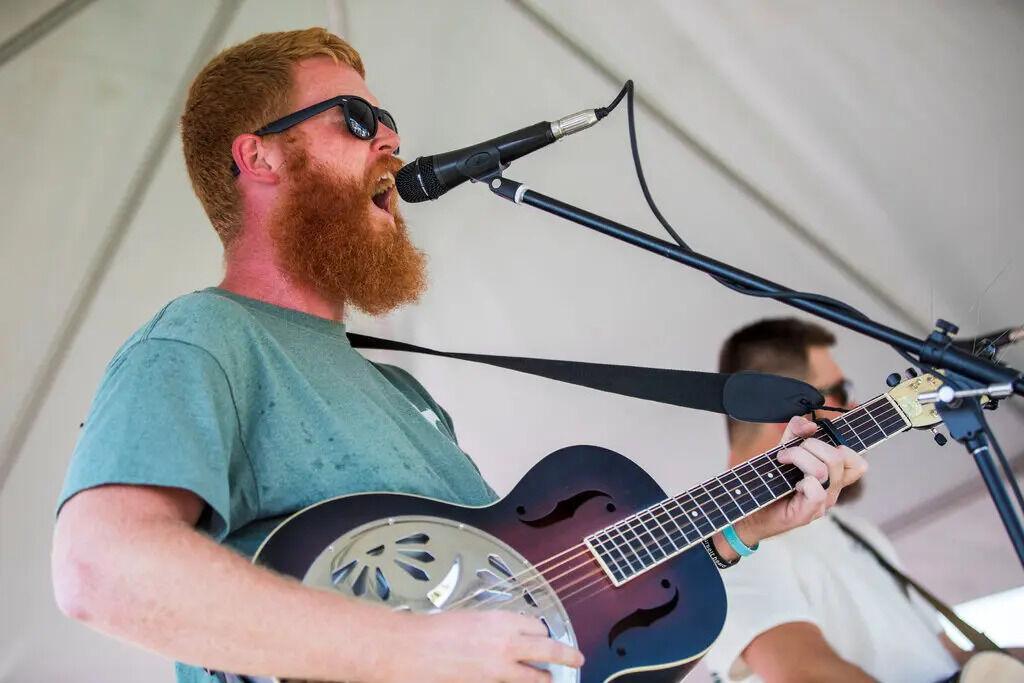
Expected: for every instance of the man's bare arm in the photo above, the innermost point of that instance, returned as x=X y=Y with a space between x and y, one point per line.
x=797 y=652
x=128 y=562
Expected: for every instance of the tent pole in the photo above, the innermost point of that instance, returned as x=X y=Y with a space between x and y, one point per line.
x=81 y=302
x=39 y=29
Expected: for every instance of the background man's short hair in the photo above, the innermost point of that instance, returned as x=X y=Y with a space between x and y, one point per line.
x=774 y=345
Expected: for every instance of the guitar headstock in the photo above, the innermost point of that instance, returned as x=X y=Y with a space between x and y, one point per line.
x=921 y=415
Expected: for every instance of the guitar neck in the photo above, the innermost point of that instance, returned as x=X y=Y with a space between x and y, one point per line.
x=653 y=535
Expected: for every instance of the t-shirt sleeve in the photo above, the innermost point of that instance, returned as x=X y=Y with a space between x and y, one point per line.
x=163 y=416
x=763 y=592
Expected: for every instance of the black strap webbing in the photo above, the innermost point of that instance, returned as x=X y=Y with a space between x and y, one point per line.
x=979 y=640
x=685 y=388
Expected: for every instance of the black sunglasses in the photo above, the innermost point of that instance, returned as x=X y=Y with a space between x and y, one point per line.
x=361 y=117
x=840 y=391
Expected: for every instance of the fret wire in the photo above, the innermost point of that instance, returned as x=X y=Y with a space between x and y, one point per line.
x=868 y=431
x=700 y=512
x=637 y=518
x=857 y=436
x=628 y=546
x=754 y=467
x=686 y=516
x=743 y=511
x=769 y=460
x=616 y=545
x=887 y=413
x=763 y=482
x=667 y=534
x=610 y=560
x=855 y=414
x=675 y=521
x=737 y=474
x=876 y=423
x=631 y=528
x=651 y=534
x=610 y=555
x=720 y=510
x=739 y=509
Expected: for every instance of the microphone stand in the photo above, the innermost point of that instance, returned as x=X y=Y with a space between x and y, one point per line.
x=963 y=415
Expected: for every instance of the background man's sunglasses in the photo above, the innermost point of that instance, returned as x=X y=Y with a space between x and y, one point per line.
x=840 y=391
x=361 y=117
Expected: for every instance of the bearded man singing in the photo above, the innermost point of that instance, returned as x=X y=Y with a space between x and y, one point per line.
x=239 y=404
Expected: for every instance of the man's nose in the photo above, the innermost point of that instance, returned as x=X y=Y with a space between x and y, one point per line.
x=386 y=141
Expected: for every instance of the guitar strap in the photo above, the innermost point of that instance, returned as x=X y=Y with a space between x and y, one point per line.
x=979 y=640
x=684 y=388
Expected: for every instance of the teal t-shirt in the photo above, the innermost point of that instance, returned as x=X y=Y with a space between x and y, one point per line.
x=260 y=411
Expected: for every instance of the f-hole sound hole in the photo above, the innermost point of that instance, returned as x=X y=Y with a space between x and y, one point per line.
x=610 y=507
x=620 y=651
x=520 y=510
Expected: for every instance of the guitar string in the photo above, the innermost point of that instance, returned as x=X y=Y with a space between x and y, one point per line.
x=539 y=569
x=538 y=572
x=576 y=597
x=606 y=583
x=743 y=475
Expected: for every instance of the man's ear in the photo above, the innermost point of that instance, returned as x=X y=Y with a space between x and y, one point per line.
x=253 y=159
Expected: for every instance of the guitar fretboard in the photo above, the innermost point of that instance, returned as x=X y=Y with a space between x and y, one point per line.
x=653 y=535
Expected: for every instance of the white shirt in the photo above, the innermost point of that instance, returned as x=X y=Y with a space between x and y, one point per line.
x=818 y=574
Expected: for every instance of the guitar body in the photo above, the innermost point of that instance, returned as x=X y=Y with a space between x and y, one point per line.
x=420 y=554
x=991 y=667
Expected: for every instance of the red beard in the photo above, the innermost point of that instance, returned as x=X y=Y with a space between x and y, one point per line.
x=329 y=235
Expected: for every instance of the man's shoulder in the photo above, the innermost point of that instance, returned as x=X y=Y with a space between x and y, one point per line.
x=201 y=319
x=200 y=316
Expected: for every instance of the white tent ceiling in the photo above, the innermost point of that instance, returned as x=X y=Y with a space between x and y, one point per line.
x=867 y=150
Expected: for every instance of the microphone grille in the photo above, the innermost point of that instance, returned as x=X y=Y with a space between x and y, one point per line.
x=417 y=182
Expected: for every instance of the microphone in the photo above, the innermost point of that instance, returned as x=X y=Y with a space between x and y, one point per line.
x=430 y=177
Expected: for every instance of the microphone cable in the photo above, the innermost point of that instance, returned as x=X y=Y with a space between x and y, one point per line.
x=777 y=294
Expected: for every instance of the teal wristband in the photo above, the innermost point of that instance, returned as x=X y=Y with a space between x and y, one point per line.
x=734 y=540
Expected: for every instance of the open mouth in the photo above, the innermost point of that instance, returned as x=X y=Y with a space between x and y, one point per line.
x=383 y=189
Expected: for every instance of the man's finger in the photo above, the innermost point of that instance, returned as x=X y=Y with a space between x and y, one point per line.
x=814 y=499
x=798 y=426
x=807 y=462
x=834 y=460
x=547 y=650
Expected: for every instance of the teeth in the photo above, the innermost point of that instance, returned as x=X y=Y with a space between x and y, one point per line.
x=384 y=183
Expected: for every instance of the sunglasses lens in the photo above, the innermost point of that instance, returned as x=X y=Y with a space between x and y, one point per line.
x=360 y=119
x=840 y=392
x=388 y=120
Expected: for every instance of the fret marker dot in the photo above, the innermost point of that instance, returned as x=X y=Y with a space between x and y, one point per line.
x=770 y=475
x=694 y=513
x=737 y=492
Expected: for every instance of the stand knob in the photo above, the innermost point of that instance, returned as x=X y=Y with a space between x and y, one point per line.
x=947 y=327
x=893 y=379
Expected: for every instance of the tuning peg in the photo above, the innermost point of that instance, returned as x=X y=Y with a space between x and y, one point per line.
x=939 y=437
x=893 y=379
x=911 y=373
